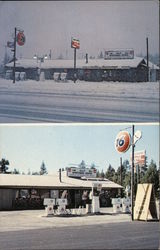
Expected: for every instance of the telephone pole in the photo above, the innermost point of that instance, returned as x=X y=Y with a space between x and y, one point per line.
x=147 y=59
x=74 y=65
x=14 y=55
x=132 y=175
x=121 y=174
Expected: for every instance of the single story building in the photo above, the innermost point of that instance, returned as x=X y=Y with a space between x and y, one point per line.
x=29 y=191
x=122 y=70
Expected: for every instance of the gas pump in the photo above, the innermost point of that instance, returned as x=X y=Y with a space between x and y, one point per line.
x=61 y=203
x=49 y=204
x=96 y=188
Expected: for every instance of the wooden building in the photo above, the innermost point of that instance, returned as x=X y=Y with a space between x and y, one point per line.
x=121 y=70
x=29 y=191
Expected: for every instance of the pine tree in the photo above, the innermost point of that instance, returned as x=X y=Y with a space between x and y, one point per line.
x=110 y=172
x=82 y=164
x=43 y=169
x=102 y=174
x=152 y=175
x=100 y=56
x=15 y=171
x=35 y=173
x=4 y=163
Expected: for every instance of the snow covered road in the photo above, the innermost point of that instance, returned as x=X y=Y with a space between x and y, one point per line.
x=47 y=101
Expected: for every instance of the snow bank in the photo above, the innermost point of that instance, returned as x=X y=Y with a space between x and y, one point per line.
x=143 y=89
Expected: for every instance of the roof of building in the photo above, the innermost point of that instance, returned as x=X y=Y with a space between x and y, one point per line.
x=81 y=64
x=50 y=182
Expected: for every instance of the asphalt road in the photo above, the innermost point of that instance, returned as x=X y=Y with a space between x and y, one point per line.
x=44 y=106
x=127 y=235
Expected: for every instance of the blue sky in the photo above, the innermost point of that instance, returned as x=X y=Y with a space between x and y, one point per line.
x=26 y=146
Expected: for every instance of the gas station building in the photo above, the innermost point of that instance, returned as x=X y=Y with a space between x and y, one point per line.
x=28 y=191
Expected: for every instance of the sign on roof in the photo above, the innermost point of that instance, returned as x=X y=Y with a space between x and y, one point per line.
x=78 y=172
x=119 y=54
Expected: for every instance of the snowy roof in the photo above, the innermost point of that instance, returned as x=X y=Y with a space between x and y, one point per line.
x=92 y=63
x=49 y=181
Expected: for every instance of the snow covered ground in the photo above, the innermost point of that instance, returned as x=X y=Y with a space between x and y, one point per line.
x=49 y=101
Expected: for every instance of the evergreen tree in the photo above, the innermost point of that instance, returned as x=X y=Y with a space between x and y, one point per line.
x=43 y=169
x=100 y=56
x=126 y=165
x=93 y=166
x=127 y=179
x=152 y=176
x=35 y=173
x=29 y=172
x=102 y=174
x=3 y=166
x=98 y=174
x=115 y=177
x=110 y=172
x=82 y=164
x=15 y=171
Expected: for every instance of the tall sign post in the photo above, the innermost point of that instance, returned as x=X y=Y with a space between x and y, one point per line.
x=14 y=55
x=132 y=174
x=121 y=174
x=20 y=40
x=75 y=44
x=122 y=144
x=147 y=59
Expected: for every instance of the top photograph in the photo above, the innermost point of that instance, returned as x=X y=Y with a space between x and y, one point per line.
x=79 y=61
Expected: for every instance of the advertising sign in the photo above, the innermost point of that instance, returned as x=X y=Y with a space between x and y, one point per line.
x=119 y=54
x=139 y=158
x=75 y=43
x=21 y=38
x=123 y=141
x=79 y=172
x=145 y=203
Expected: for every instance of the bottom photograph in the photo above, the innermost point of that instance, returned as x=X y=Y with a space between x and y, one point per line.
x=79 y=186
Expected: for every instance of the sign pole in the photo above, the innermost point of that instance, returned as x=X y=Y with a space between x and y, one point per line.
x=74 y=65
x=14 y=55
x=121 y=174
x=147 y=60
x=132 y=175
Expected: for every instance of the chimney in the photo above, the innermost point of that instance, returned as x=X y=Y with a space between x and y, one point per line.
x=60 y=179
x=86 y=58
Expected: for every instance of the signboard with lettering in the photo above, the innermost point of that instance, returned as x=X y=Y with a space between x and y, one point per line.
x=119 y=54
x=139 y=158
x=78 y=172
x=145 y=206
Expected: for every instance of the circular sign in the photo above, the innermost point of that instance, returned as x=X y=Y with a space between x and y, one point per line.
x=123 y=141
x=21 y=38
x=137 y=136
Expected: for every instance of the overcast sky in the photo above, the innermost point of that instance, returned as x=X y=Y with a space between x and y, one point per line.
x=26 y=146
x=98 y=25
